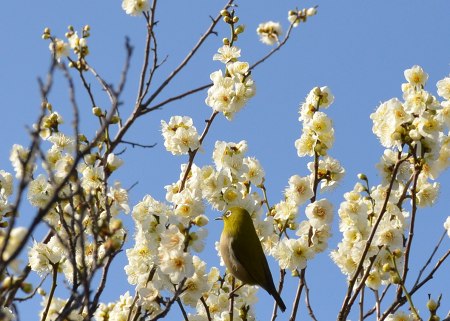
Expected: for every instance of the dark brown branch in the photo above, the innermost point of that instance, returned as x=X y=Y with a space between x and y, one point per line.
x=208 y=314
x=298 y=295
x=137 y=144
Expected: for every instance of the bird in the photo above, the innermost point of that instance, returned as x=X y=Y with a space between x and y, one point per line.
x=243 y=254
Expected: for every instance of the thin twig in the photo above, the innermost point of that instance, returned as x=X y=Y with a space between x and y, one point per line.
x=411 y=227
x=137 y=144
x=183 y=311
x=308 y=301
x=208 y=314
x=52 y=291
x=361 y=305
x=231 y=306
x=298 y=295
x=194 y=152
x=280 y=289
x=430 y=258
x=185 y=61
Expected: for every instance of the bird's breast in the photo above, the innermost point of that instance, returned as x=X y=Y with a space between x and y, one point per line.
x=231 y=262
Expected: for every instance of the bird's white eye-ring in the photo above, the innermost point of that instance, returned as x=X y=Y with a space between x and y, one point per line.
x=228 y=213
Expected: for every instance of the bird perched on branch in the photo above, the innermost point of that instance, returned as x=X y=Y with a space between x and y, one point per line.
x=242 y=252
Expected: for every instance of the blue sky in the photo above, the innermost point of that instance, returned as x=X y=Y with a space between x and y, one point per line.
x=357 y=48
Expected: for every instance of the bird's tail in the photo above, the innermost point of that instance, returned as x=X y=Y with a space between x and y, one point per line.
x=279 y=300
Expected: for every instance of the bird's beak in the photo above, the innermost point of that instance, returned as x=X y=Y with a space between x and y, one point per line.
x=220 y=218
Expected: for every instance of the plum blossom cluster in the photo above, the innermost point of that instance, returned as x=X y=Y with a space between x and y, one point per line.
x=180 y=135
x=314 y=231
x=69 y=188
x=374 y=221
x=231 y=90
x=78 y=44
x=168 y=234
x=295 y=17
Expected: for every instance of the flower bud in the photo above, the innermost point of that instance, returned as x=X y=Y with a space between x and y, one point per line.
x=41 y=291
x=227 y=19
x=293 y=226
x=386 y=267
x=114 y=119
x=317 y=91
x=113 y=162
x=116 y=225
x=226 y=41
x=432 y=305
x=362 y=177
x=201 y=220
x=112 y=244
x=97 y=111
x=311 y=12
x=26 y=287
x=240 y=29
x=396 y=279
x=224 y=13
x=397 y=253
x=90 y=159
x=7 y=282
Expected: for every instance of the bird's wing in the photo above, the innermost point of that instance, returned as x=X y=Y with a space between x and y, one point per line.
x=251 y=257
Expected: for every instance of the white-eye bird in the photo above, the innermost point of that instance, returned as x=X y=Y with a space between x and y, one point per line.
x=242 y=252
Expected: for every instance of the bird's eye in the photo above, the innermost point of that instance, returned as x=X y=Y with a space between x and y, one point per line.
x=228 y=213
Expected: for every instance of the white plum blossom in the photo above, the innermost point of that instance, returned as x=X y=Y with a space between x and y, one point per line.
x=59 y=48
x=18 y=157
x=43 y=257
x=40 y=191
x=230 y=156
x=292 y=253
x=330 y=172
x=319 y=213
x=6 y=183
x=113 y=162
x=305 y=144
x=447 y=226
x=416 y=76
x=443 y=88
x=119 y=197
x=269 y=32
x=285 y=210
x=56 y=307
x=400 y=316
x=135 y=7
x=62 y=142
x=320 y=97
x=227 y=54
x=93 y=178
x=176 y=264
x=228 y=95
x=299 y=190
x=255 y=173
x=180 y=135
